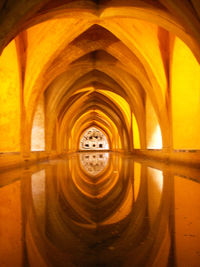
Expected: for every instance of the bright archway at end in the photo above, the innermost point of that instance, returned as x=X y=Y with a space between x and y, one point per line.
x=93 y=139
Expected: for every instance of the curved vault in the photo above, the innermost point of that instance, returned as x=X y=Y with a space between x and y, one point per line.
x=116 y=65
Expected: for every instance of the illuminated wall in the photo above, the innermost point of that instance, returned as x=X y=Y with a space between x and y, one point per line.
x=38 y=131
x=136 y=134
x=153 y=133
x=131 y=71
x=9 y=100
x=185 y=97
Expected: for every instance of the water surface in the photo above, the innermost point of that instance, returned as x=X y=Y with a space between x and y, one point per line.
x=100 y=209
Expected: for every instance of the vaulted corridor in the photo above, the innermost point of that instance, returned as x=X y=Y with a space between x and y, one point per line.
x=131 y=70
x=119 y=80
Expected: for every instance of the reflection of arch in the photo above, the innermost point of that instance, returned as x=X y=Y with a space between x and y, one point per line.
x=140 y=237
x=93 y=139
x=93 y=163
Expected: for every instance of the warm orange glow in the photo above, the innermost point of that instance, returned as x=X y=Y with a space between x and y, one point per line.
x=136 y=134
x=185 y=98
x=9 y=100
x=187 y=221
x=49 y=39
x=11 y=233
x=129 y=70
x=154 y=137
x=144 y=36
x=78 y=128
x=38 y=192
x=123 y=210
x=121 y=102
x=137 y=179
x=155 y=186
x=99 y=133
x=38 y=134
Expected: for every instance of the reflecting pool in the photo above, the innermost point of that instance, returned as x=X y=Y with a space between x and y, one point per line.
x=100 y=209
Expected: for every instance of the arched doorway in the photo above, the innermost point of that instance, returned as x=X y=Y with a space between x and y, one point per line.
x=93 y=139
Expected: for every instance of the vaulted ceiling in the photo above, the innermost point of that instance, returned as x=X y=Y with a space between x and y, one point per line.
x=97 y=62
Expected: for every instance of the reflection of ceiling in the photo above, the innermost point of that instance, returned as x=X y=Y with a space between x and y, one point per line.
x=93 y=163
x=77 y=214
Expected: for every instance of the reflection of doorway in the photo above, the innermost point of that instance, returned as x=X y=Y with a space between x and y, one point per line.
x=94 y=163
x=93 y=139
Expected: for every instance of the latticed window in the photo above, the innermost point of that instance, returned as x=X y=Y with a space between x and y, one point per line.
x=93 y=139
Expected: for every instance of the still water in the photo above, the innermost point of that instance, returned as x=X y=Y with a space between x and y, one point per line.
x=100 y=209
